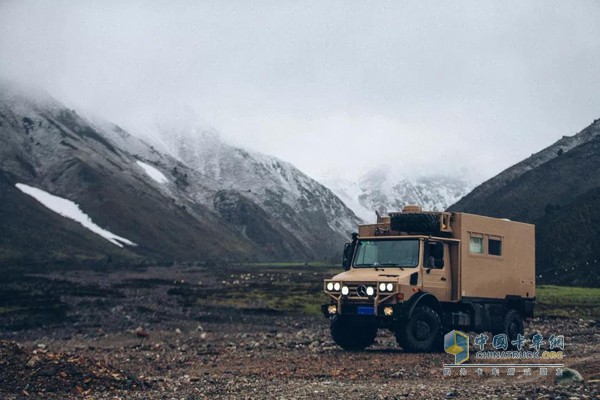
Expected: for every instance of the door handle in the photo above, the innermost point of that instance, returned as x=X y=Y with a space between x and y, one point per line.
x=443 y=278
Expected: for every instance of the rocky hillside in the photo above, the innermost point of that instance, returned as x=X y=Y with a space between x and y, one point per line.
x=385 y=190
x=558 y=190
x=170 y=209
x=246 y=188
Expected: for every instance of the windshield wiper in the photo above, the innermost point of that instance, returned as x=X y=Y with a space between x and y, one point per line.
x=392 y=265
x=378 y=266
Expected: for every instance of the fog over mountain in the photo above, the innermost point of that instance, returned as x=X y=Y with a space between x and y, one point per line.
x=387 y=189
x=81 y=190
x=335 y=88
x=448 y=95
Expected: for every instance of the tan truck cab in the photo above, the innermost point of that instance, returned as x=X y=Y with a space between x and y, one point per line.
x=422 y=274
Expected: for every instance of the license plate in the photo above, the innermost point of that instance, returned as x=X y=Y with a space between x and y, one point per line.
x=366 y=310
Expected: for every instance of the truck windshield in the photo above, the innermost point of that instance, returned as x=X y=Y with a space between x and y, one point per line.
x=387 y=253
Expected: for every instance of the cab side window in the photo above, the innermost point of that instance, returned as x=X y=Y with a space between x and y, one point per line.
x=435 y=255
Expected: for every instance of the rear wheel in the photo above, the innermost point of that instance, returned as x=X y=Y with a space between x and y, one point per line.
x=513 y=325
x=352 y=335
x=422 y=332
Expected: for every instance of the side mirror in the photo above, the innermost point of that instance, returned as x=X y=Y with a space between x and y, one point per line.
x=349 y=252
x=347 y=256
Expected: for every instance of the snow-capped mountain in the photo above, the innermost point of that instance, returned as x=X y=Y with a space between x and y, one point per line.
x=196 y=199
x=306 y=209
x=385 y=190
x=88 y=167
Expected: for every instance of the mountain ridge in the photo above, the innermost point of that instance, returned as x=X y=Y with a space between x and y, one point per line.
x=563 y=145
x=385 y=190
x=300 y=203
x=558 y=190
x=189 y=216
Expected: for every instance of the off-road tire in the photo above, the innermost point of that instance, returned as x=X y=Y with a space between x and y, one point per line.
x=513 y=325
x=415 y=222
x=422 y=332
x=351 y=335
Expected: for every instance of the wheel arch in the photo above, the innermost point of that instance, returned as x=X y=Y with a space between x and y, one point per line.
x=423 y=299
x=522 y=305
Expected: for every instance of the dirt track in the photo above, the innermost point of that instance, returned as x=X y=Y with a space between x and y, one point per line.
x=198 y=332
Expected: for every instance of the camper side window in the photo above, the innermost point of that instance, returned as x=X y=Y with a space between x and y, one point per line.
x=476 y=244
x=495 y=246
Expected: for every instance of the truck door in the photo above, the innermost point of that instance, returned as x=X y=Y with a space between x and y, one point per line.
x=436 y=270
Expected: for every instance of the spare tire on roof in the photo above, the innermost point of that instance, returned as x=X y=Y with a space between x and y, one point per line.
x=425 y=223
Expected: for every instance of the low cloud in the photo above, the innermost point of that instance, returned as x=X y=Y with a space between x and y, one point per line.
x=333 y=87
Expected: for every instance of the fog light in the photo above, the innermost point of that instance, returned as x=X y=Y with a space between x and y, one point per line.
x=332 y=309
x=345 y=290
x=388 y=311
x=370 y=291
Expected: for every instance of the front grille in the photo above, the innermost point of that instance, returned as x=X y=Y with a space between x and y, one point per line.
x=353 y=291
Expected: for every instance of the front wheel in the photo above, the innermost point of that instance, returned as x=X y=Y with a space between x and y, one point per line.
x=352 y=335
x=422 y=332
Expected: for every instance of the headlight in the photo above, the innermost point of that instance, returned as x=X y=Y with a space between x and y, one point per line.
x=336 y=286
x=370 y=291
x=386 y=287
x=330 y=286
x=345 y=290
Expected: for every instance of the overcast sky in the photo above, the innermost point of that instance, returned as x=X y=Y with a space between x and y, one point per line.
x=335 y=87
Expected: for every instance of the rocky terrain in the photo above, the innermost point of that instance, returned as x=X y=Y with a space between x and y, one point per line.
x=230 y=331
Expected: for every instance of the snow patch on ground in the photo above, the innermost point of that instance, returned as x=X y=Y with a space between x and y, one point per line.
x=71 y=210
x=153 y=172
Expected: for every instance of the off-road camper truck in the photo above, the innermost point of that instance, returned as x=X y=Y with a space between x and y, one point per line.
x=422 y=274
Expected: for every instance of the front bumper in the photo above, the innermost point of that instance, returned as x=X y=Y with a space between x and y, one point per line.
x=362 y=310
x=356 y=300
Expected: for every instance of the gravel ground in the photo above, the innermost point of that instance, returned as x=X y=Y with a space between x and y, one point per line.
x=181 y=334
